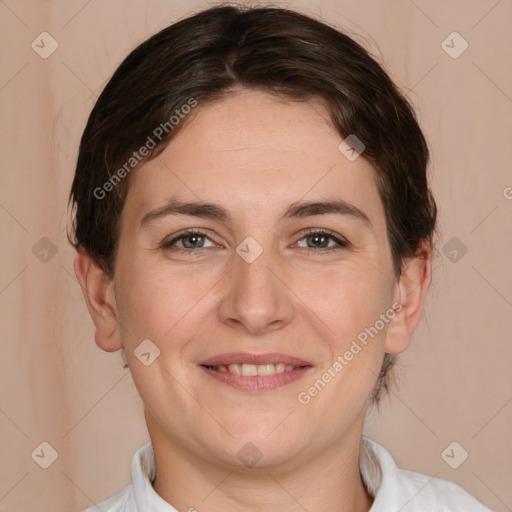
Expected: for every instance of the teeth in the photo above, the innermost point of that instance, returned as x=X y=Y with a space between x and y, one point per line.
x=253 y=369
x=249 y=369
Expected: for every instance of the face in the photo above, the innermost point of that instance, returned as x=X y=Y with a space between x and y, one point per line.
x=259 y=274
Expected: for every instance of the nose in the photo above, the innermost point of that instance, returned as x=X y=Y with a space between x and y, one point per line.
x=255 y=297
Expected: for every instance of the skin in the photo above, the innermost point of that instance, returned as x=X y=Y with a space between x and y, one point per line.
x=254 y=154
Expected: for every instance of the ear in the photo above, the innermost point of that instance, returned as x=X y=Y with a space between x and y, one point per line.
x=412 y=286
x=98 y=290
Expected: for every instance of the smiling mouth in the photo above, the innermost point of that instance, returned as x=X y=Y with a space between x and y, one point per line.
x=255 y=372
x=251 y=370
x=256 y=378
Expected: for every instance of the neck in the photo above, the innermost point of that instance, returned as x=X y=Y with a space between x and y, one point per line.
x=328 y=481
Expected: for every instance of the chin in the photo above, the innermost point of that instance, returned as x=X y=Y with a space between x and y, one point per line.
x=253 y=450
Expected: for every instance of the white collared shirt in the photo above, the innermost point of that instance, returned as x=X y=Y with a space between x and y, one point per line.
x=392 y=488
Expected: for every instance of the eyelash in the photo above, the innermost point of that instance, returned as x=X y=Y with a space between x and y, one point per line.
x=342 y=243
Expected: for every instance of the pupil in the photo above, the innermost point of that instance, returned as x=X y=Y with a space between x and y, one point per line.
x=193 y=238
x=322 y=238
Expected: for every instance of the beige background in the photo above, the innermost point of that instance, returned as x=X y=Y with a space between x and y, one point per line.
x=57 y=386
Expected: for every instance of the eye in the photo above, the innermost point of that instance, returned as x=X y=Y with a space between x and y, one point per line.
x=190 y=239
x=320 y=239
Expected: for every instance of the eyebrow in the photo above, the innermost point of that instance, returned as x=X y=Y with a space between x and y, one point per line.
x=299 y=209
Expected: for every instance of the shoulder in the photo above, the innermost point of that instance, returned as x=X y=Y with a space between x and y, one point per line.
x=122 y=501
x=139 y=495
x=424 y=492
x=408 y=491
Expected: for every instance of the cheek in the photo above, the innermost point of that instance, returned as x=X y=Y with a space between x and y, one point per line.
x=347 y=299
x=165 y=304
x=350 y=305
x=151 y=303
x=350 y=302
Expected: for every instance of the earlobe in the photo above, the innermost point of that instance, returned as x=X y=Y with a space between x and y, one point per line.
x=412 y=286
x=97 y=288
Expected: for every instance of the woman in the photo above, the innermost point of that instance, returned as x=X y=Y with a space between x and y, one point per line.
x=254 y=230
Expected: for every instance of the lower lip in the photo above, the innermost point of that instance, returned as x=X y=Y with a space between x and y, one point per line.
x=257 y=383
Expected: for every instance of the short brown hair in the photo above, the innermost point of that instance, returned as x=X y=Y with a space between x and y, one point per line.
x=207 y=55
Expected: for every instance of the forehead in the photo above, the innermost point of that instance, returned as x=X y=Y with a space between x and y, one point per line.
x=255 y=152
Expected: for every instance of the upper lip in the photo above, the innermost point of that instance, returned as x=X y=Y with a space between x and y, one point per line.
x=251 y=358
